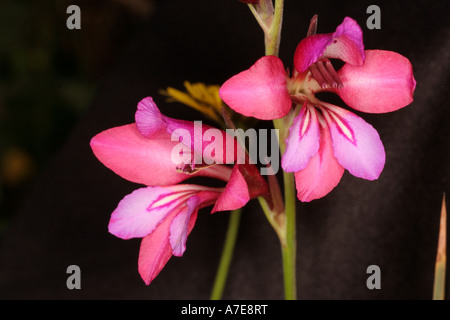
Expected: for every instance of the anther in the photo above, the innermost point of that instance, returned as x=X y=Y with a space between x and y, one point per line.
x=324 y=73
x=333 y=74
x=318 y=75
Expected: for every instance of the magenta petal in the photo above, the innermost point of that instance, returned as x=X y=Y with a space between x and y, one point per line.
x=135 y=158
x=260 y=91
x=322 y=174
x=302 y=142
x=384 y=83
x=149 y=120
x=357 y=145
x=309 y=50
x=204 y=143
x=345 y=44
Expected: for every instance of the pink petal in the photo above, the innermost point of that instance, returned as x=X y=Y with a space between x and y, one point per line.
x=303 y=140
x=260 y=91
x=235 y=195
x=323 y=172
x=147 y=161
x=154 y=253
x=169 y=238
x=209 y=145
x=357 y=145
x=245 y=183
x=156 y=250
x=183 y=223
x=180 y=227
x=149 y=120
x=139 y=213
x=384 y=83
x=345 y=44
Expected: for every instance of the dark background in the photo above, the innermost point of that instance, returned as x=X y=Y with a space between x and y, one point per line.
x=60 y=87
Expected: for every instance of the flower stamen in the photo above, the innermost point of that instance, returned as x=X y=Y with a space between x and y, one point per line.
x=324 y=73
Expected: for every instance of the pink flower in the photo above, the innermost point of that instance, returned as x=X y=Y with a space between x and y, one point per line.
x=164 y=212
x=323 y=138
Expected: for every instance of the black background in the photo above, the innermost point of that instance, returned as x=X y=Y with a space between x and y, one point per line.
x=392 y=222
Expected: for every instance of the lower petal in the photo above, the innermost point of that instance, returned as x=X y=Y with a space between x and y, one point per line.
x=181 y=225
x=141 y=212
x=357 y=145
x=322 y=174
x=134 y=217
x=302 y=142
x=154 y=253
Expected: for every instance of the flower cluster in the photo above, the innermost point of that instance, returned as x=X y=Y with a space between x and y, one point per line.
x=323 y=138
x=164 y=212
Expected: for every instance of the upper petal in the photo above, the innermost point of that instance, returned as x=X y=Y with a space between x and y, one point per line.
x=303 y=140
x=208 y=144
x=148 y=161
x=345 y=43
x=154 y=252
x=384 y=83
x=149 y=120
x=323 y=172
x=260 y=91
x=357 y=145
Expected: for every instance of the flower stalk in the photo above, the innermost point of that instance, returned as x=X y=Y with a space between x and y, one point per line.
x=227 y=254
x=271 y=19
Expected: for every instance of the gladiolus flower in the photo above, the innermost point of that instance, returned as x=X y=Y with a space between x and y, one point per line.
x=325 y=139
x=164 y=212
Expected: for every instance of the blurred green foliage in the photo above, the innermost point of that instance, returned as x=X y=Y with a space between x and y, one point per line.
x=41 y=95
x=47 y=79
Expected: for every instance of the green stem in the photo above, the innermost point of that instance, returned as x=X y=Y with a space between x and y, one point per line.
x=289 y=247
x=273 y=37
x=288 y=240
x=227 y=254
